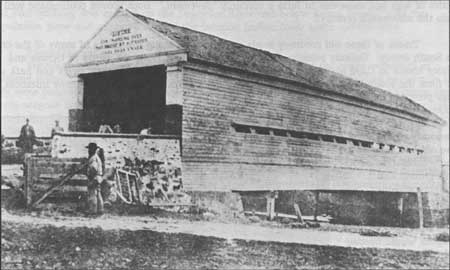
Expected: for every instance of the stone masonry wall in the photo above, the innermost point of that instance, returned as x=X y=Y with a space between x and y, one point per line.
x=119 y=146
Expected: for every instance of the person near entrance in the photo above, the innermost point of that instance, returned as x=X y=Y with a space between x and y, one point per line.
x=57 y=128
x=27 y=137
x=148 y=130
x=105 y=129
x=117 y=128
x=94 y=175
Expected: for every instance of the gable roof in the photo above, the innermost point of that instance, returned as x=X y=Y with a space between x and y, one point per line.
x=212 y=49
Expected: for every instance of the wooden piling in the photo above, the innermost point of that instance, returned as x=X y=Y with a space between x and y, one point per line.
x=29 y=169
x=400 y=208
x=316 y=206
x=420 y=207
x=270 y=207
x=270 y=197
x=298 y=213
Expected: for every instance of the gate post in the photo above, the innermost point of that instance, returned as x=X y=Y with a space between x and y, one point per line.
x=29 y=171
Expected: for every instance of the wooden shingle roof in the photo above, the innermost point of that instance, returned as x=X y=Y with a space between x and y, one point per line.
x=208 y=48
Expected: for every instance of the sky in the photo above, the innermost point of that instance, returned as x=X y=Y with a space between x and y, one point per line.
x=402 y=47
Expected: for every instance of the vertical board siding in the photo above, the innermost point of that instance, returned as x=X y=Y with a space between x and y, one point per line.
x=212 y=102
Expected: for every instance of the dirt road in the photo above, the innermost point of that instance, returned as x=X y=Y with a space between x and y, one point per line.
x=38 y=246
x=237 y=231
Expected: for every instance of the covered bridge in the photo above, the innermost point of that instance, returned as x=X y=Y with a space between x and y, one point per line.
x=249 y=119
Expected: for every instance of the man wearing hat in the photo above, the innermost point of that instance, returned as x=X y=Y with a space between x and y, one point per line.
x=94 y=175
x=27 y=137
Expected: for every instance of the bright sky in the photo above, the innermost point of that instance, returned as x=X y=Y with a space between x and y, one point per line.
x=402 y=47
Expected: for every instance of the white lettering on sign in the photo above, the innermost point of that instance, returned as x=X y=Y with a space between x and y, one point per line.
x=123 y=40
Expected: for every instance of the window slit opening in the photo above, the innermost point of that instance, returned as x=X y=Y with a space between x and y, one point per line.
x=280 y=132
x=366 y=144
x=327 y=138
x=242 y=129
x=262 y=130
x=321 y=137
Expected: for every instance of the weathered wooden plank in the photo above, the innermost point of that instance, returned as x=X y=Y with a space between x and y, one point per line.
x=29 y=177
x=57 y=176
x=210 y=176
x=66 y=188
x=316 y=205
x=420 y=207
x=212 y=103
x=294 y=96
x=282 y=215
x=298 y=213
x=270 y=207
x=321 y=154
x=60 y=183
x=241 y=80
x=71 y=182
x=59 y=197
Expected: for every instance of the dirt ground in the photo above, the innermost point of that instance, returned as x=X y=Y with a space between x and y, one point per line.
x=50 y=247
x=47 y=240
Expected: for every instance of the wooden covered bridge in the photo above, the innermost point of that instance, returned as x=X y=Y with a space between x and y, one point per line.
x=246 y=119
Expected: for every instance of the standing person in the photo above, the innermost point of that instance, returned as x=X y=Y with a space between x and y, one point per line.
x=27 y=137
x=117 y=128
x=57 y=128
x=106 y=185
x=94 y=175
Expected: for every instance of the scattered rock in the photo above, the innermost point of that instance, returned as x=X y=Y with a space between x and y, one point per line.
x=369 y=232
x=208 y=215
x=313 y=224
x=444 y=237
x=254 y=219
x=47 y=213
x=6 y=244
x=285 y=220
x=298 y=225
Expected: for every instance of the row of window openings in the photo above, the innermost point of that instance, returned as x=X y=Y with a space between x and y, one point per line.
x=321 y=137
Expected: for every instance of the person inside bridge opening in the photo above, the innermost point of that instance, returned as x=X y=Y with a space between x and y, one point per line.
x=27 y=137
x=95 y=178
x=105 y=129
x=56 y=128
x=148 y=130
x=117 y=128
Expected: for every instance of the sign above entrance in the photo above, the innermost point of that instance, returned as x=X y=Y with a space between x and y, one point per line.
x=123 y=38
x=122 y=41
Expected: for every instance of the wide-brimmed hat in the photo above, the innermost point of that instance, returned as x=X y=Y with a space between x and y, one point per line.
x=92 y=146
